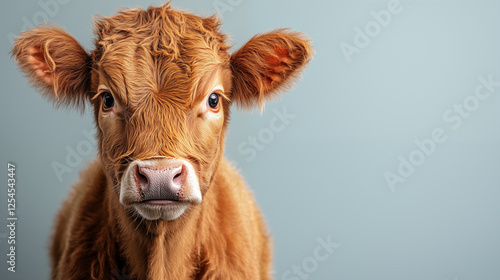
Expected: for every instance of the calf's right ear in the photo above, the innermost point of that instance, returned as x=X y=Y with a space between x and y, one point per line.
x=55 y=63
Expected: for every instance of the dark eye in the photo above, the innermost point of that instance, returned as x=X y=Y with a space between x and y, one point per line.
x=213 y=100
x=107 y=100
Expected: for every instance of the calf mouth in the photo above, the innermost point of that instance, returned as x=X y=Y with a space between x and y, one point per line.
x=160 y=202
x=165 y=210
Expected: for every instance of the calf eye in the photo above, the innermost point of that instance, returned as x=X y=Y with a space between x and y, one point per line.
x=107 y=100
x=213 y=100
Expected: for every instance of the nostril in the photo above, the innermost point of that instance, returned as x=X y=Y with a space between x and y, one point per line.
x=178 y=173
x=141 y=178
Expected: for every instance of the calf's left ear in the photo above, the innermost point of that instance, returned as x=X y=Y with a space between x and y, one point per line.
x=55 y=63
x=266 y=65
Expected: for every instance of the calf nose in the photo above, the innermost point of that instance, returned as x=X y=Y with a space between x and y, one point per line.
x=163 y=182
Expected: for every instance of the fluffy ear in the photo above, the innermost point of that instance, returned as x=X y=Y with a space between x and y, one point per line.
x=55 y=63
x=266 y=65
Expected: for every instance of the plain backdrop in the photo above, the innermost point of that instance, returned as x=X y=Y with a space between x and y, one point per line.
x=370 y=100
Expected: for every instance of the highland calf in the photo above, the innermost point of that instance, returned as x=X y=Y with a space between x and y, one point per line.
x=160 y=201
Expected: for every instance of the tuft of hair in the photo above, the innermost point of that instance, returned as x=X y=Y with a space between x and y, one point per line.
x=156 y=29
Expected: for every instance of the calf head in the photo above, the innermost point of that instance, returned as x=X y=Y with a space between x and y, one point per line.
x=161 y=83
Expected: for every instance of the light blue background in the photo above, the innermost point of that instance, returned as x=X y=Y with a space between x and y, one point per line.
x=323 y=175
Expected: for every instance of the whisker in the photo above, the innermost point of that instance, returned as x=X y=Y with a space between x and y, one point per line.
x=139 y=223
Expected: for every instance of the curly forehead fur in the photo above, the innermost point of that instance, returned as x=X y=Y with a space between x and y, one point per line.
x=160 y=45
